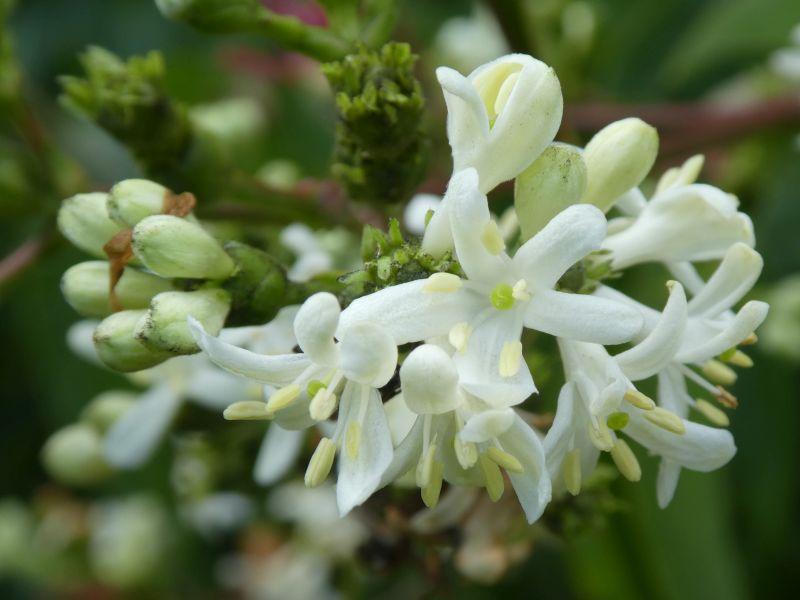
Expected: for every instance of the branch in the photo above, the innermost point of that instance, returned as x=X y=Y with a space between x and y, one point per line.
x=24 y=256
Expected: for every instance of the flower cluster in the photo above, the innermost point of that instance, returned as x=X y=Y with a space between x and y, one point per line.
x=424 y=380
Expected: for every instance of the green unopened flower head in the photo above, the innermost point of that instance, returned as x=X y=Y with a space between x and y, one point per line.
x=550 y=184
x=117 y=347
x=84 y=221
x=132 y=200
x=86 y=288
x=104 y=410
x=74 y=456
x=164 y=328
x=212 y=15
x=618 y=158
x=174 y=247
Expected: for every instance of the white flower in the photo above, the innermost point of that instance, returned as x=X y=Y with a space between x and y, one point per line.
x=311 y=258
x=416 y=211
x=462 y=439
x=685 y=223
x=484 y=314
x=363 y=361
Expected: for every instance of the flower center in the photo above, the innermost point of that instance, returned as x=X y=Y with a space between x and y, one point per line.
x=504 y=295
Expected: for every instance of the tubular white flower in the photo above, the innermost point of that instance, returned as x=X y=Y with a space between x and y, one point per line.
x=688 y=223
x=363 y=360
x=500 y=296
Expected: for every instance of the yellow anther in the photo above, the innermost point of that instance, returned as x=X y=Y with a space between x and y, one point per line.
x=713 y=413
x=459 y=336
x=504 y=92
x=430 y=493
x=442 y=283
x=247 y=410
x=626 y=461
x=520 y=291
x=504 y=459
x=353 y=439
x=466 y=453
x=425 y=467
x=719 y=372
x=740 y=359
x=639 y=400
x=725 y=398
x=749 y=340
x=494 y=478
x=283 y=397
x=600 y=436
x=510 y=359
x=322 y=405
x=321 y=462
x=666 y=420
x=571 y=471
x=491 y=238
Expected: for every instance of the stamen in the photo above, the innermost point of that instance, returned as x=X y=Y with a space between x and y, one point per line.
x=283 y=397
x=698 y=380
x=600 y=436
x=617 y=420
x=740 y=359
x=714 y=414
x=639 y=400
x=504 y=92
x=520 y=291
x=442 y=283
x=719 y=372
x=248 y=410
x=626 y=461
x=322 y=405
x=725 y=398
x=502 y=296
x=321 y=462
x=504 y=459
x=459 y=336
x=510 y=358
x=425 y=467
x=571 y=471
x=666 y=420
x=430 y=493
x=466 y=453
x=491 y=238
x=749 y=340
x=352 y=439
x=494 y=478
x=314 y=386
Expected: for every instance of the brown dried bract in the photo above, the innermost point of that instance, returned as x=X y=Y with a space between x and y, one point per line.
x=178 y=205
x=119 y=252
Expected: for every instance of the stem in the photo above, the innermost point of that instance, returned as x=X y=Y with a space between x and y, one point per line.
x=291 y=32
x=23 y=257
x=379 y=28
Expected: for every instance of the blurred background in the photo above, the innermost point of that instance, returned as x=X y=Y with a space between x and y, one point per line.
x=721 y=77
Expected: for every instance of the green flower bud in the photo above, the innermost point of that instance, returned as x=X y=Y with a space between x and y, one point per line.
x=85 y=287
x=173 y=247
x=165 y=328
x=117 y=347
x=553 y=182
x=132 y=200
x=104 y=410
x=74 y=456
x=84 y=221
x=218 y=16
x=618 y=158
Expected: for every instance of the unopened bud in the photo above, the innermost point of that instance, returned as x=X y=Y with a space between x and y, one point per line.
x=217 y=16
x=554 y=181
x=84 y=221
x=74 y=456
x=174 y=247
x=617 y=159
x=132 y=200
x=165 y=328
x=86 y=288
x=117 y=347
x=104 y=410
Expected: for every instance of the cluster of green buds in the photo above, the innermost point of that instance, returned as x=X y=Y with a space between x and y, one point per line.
x=390 y=259
x=161 y=266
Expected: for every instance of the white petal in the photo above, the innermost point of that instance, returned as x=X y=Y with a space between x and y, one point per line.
x=368 y=354
x=487 y=424
x=429 y=381
x=532 y=486
x=438 y=237
x=742 y=325
x=672 y=392
x=314 y=327
x=275 y=370
x=685 y=272
x=469 y=217
x=360 y=477
x=479 y=364
x=582 y=317
x=406 y=455
x=467 y=121
x=667 y=482
x=566 y=239
x=652 y=354
x=416 y=211
x=411 y=314
x=631 y=203
x=279 y=451
x=701 y=448
x=135 y=435
x=215 y=389
x=734 y=277
x=275 y=337
x=559 y=436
